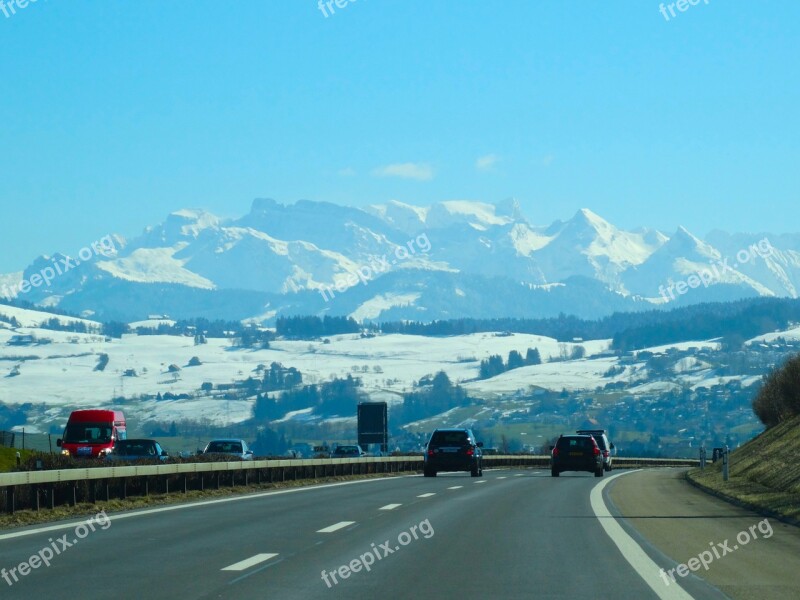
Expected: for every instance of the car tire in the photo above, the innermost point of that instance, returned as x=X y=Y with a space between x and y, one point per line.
x=429 y=472
x=554 y=473
x=475 y=472
x=608 y=468
x=599 y=472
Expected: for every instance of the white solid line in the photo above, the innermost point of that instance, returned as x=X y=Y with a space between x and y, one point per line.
x=428 y=495
x=389 y=507
x=152 y=511
x=646 y=568
x=249 y=562
x=455 y=487
x=336 y=527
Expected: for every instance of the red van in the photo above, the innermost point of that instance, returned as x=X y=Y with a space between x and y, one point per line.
x=92 y=433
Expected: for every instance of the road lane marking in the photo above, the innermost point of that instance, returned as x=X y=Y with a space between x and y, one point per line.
x=428 y=495
x=501 y=477
x=249 y=562
x=389 y=507
x=481 y=481
x=336 y=527
x=202 y=503
x=520 y=475
x=644 y=566
x=455 y=487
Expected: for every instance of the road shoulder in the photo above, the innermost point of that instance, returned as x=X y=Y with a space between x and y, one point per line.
x=684 y=523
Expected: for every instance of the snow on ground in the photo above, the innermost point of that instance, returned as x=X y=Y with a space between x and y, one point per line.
x=151 y=323
x=790 y=335
x=62 y=373
x=683 y=346
x=654 y=387
x=372 y=308
x=571 y=375
x=34 y=318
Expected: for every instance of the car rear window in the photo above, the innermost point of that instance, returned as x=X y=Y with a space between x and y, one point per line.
x=578 y=443
x=225 y=447
x=457 y=438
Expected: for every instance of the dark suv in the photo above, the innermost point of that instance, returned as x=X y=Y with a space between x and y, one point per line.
x=605 y=446
x=453 y=450
x=576 y=453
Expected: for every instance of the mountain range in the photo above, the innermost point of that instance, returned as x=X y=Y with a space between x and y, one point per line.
x=397 y=261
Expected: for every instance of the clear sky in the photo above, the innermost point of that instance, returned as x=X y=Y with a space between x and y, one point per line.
x=115 y=113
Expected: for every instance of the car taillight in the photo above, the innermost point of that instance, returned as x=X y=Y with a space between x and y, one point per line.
x=596 y=451
x=605 y=453
x=430 y=452
x=555 y=451
x=470 y=452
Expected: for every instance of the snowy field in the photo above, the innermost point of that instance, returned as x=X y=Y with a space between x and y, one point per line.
x=62 y=374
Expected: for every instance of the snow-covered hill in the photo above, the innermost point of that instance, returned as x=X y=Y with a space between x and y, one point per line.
x=58 y=371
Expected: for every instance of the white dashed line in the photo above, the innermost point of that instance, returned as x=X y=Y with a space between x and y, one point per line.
x=481 y=481
x=336 y=527
x=249 y=562
x=389 y=507
x=501 y=477
x=428 y=495
x=455 y=487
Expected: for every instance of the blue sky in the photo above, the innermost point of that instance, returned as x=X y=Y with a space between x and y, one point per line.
x=116 y=113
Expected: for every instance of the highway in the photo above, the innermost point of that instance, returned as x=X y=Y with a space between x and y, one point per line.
x=509 y=534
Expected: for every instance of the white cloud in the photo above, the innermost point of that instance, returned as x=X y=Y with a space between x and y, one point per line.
x=418 y=171
x=487 y=163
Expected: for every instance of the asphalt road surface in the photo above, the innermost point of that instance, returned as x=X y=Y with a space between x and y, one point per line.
x=508 y=534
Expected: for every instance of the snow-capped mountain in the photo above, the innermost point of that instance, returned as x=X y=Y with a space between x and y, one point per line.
x=399 y=261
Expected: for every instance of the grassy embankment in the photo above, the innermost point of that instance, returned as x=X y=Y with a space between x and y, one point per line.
x=8 y=458
x=764 y=473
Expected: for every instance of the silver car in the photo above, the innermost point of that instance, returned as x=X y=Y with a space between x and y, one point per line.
x=230 y=447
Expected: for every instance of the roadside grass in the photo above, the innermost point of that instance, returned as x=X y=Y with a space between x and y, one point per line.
x=8 y=458
x=764 y=473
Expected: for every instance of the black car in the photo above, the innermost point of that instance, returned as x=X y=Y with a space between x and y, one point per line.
x=453 y=450
x=605 y=446
x=137 y=450
x=576 y=453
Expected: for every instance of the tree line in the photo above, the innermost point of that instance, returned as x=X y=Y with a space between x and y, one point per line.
x=494 y=364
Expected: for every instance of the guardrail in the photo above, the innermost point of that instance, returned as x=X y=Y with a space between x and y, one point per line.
x=37 y=489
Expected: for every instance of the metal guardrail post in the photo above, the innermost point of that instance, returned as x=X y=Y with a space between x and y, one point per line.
x=725 y=461
x=702 y=457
